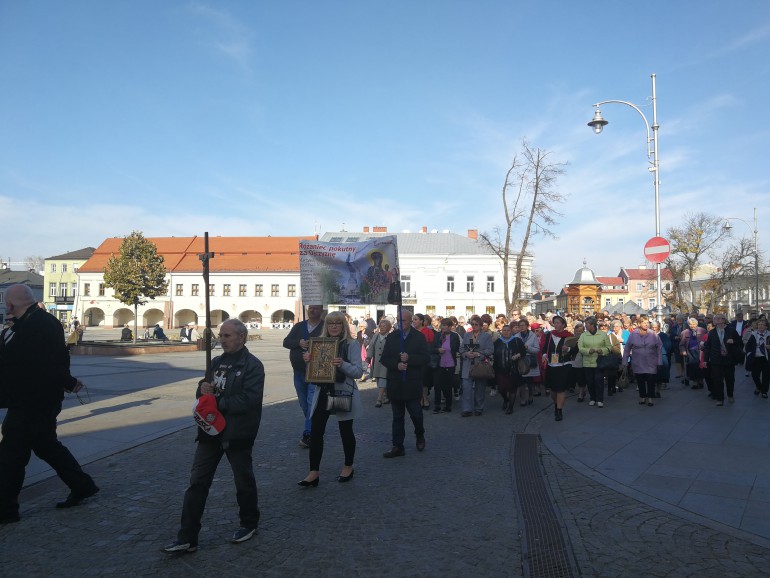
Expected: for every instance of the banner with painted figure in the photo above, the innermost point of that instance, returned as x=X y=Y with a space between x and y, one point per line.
x=364 y=273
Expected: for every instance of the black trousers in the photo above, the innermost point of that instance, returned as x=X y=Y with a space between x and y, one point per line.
x=318 y=429
x=34 y=430
x=760 y=374
x=207 y=458
x=722 y=376
x=646 y=383
x=399 y=407
x=443 y=386
x=595 y=379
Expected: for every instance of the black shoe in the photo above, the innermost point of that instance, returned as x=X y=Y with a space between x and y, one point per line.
x=394 y=452
x=343 y=479
x=310 y=484
x=446 y=410
x=13 y=518
x=75 y=499
x=477 y=413
x=305 y=441
x=559 y=415
x=420 y=443
x=436 y=410
x=243 y=534
x=178 y=547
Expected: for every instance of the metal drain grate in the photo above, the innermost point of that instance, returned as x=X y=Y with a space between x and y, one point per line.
x=545 y=550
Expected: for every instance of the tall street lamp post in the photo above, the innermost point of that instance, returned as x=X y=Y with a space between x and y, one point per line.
x=728 y=226
x=598 y=123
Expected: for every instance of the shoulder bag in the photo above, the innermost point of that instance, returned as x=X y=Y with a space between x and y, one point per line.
x=482 y=369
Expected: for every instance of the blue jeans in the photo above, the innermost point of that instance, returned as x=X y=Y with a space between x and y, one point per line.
x=305 y=393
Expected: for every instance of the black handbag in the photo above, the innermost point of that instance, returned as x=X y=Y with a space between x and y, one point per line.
x=523 y=366
x=610 y=361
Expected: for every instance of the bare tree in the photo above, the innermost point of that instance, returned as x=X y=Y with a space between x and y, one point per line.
x=529 y=199
x=34 y=263
x=698 y=237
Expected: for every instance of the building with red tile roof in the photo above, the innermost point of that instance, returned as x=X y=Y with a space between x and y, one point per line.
x=255 y=279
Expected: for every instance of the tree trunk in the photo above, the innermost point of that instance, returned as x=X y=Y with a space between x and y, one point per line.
x=136 y=313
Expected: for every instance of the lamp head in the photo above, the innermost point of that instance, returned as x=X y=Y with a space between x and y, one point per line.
x=727 y=227
x=598 y=121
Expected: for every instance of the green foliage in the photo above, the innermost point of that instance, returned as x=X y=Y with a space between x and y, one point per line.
x=137 y=273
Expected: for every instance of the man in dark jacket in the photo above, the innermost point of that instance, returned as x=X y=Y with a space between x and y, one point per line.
x=238 y=381
x=405 y=355
x=298 y=342
x=721 y=350
x=34 y=373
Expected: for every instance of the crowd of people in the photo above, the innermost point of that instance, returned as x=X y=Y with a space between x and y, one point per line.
x=596 y=356
x=418 y=363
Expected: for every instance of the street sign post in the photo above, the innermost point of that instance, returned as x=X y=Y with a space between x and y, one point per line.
x=657 y=250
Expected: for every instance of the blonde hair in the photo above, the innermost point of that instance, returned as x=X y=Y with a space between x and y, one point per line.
x=340 y=317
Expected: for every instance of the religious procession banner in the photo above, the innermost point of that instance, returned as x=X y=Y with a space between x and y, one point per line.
x=364 y=273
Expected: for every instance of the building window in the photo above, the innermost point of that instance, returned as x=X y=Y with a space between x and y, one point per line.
x=75 y=268
x=179 y=290
x=430 y=310
x=257 y=290
x=211 y=289
x=450 y=284
x=292 y=291
x=450 y=310
x=274 y=291
x=52 y=289
x=469 y=286
x=194 y=290
x=490 y=285
x=652 y=304
x=101 y=289
x=53 y=267
x=87 y=289
x=74 y=289
x=242 y=290
x=607 y=302
x=491 y=310
x=639 y=302
x=63 y=267
x=621 y=300
x=469 y=312
x=406 y=284
x=668 y=286
x=226 y=290
x=62 y=289
x=652 y=286
x=639 y=286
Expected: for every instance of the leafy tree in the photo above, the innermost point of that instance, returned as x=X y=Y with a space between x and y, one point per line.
x=137 y=273
x=691 y=243
x=531 y=203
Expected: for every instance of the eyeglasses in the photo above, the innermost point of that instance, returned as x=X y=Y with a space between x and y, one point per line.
x=334 y=323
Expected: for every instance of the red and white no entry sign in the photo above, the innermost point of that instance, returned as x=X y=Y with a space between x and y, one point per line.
x=657 y=250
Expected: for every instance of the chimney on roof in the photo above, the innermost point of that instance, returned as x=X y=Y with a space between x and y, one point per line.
x=366 y=229
x=473 y=234
x=379 y=229
x=424 y=229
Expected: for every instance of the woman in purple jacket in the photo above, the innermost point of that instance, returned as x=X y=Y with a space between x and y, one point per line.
x=645 y=349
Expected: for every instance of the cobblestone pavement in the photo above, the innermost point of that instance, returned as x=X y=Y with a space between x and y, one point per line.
x=449 y=511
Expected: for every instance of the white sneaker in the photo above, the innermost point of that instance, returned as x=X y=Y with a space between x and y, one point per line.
x=599 y=404
x=592 y=402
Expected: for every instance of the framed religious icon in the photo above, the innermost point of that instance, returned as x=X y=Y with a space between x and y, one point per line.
x=320 y=368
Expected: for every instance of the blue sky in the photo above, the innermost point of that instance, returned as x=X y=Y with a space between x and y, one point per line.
x=283 y=118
